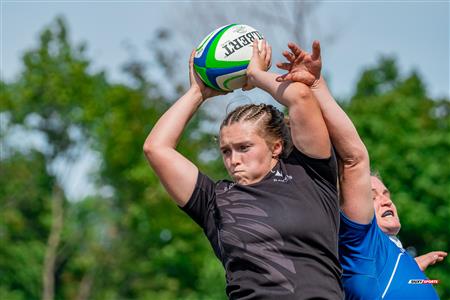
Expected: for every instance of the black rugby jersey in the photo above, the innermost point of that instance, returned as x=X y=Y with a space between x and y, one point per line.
x=277 y=238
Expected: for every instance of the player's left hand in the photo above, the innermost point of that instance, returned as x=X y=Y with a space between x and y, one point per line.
x=261 y=61
x=430 y=259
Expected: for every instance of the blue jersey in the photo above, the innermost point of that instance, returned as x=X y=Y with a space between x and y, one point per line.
x=376 y=267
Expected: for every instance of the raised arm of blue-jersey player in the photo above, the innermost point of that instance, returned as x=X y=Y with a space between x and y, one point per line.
x=355 y=185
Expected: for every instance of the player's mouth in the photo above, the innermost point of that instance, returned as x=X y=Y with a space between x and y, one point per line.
x=388 y=213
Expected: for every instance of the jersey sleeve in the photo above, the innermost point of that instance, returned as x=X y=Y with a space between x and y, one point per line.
x=201 y=208
x=200 y=205
x=325 y=168
x=359 y=246
x=352 y=234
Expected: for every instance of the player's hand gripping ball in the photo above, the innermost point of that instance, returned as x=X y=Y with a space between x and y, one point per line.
x=221 y=59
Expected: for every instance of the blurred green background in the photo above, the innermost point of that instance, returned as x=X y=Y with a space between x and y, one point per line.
x=129 y=241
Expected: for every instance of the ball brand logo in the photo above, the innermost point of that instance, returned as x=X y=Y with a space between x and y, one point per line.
x=241 y=41
x=423 y=281
x=240 y=29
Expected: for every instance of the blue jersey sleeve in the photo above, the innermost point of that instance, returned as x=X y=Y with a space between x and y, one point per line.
x=360 y=254
x=359 y=246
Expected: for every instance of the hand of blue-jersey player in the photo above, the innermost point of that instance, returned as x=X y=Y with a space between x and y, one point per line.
x=301 y=66
x=430 y=259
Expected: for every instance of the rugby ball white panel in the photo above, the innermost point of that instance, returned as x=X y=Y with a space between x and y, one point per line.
x=232 y=84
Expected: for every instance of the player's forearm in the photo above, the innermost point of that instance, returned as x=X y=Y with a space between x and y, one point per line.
x=170 y=126
x=283 y=92
x=343 y=133
x=354 y=176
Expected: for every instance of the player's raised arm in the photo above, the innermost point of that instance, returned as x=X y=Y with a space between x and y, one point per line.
x=308 y=129
x=176 y=172
x=355 y=186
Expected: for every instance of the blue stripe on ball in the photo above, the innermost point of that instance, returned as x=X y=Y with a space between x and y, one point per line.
x=201 y=61
x=214 y=73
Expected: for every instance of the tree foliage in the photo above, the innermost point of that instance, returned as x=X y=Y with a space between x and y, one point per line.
x=129 y=241
x=25 y=190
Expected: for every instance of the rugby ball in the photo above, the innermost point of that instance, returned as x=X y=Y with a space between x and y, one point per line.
x=222 y=57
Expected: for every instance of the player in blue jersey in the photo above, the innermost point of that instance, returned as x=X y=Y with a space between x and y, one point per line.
x=375 y=265
x=389 y=222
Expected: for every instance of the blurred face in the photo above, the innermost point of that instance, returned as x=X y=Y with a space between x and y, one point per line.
x=246 y=155
x=385 y=210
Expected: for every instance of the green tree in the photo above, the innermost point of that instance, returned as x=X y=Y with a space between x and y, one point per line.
x=46 y=101
x=25 y=190
x=130 y=242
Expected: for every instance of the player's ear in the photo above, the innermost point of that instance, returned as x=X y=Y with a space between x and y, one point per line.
x=277 y=148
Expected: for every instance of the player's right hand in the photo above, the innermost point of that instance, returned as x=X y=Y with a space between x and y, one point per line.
x=198 y=85
x=260 y=62
x=430 y=259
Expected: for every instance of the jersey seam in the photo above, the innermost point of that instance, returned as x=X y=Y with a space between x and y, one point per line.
x=392 y=275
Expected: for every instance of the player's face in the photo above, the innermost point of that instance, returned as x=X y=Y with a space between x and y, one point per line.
x=246 y=155
x=385 y=210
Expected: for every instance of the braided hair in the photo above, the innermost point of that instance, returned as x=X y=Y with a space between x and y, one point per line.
x=272 y=123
